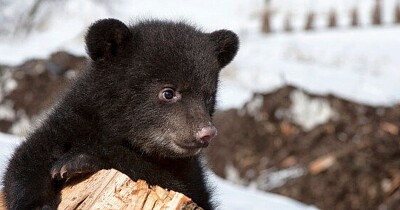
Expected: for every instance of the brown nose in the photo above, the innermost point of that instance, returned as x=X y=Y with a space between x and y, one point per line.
x=206 y=134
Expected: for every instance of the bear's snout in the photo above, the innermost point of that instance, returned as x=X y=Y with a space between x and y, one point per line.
x=205 y=135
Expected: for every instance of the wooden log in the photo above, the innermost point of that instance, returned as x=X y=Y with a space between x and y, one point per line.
x=111 y=189
x=2 y=205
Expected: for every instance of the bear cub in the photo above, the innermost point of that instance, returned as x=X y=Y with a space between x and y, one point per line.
x=143 y=106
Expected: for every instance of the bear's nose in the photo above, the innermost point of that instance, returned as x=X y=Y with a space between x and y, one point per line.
x=206 y=134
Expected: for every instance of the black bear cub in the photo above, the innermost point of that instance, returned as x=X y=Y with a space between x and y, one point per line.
x=143 y=106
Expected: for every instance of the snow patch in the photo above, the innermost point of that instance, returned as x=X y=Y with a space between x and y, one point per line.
x=71 y=74
x=7 y=83
x=10 y=85
x=308 y=112
x=21 y=127
x=232 y=174
x=234 y=197
x=254 y=107
x=7 y=111
x=8 y=143
x=270 y=179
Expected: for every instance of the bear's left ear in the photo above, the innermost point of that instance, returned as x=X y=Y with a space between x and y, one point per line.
x=105 y=38
x=227 y=45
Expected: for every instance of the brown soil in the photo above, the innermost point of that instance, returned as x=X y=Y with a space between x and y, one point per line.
x=39 y=84
x=350 y=162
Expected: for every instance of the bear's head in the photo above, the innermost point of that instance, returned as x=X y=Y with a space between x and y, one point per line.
x=155 y=82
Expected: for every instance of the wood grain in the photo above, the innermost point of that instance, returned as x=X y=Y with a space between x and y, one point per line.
x=111 y=189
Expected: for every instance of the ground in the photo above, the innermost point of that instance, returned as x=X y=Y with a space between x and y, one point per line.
x=346 y=158
x=349 y=162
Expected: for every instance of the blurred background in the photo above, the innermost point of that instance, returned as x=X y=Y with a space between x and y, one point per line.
x=309 y=109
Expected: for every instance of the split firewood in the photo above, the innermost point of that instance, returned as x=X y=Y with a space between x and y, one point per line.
x=2 y=206
x=111 y=189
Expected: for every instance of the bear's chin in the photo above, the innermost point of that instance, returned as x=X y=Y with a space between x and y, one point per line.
x=185 y=150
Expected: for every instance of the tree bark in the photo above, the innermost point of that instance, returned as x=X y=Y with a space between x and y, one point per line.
x=111 y=189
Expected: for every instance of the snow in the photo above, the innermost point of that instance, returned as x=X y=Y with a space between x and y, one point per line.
x=308 y=112
x=7 y=145
x=357 y=64
x=228 y=195
x=7 y=111
x=272 y=178
x=63 y=23
x=234 y=197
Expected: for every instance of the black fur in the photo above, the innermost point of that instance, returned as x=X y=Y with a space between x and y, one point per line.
x=113 y=116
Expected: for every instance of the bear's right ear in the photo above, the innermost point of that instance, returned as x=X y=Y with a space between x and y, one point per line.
x=106 y=38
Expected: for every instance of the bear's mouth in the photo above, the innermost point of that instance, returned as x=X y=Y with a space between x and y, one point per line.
x=191 y=146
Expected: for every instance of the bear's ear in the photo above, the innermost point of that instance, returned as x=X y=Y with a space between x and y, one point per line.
x=226 y=46
x=105 y=38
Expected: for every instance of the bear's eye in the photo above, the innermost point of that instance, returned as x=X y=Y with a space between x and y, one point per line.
x=168 y=95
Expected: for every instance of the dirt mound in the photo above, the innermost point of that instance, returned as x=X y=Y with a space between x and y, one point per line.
x=348 y=161
x=28 y=90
